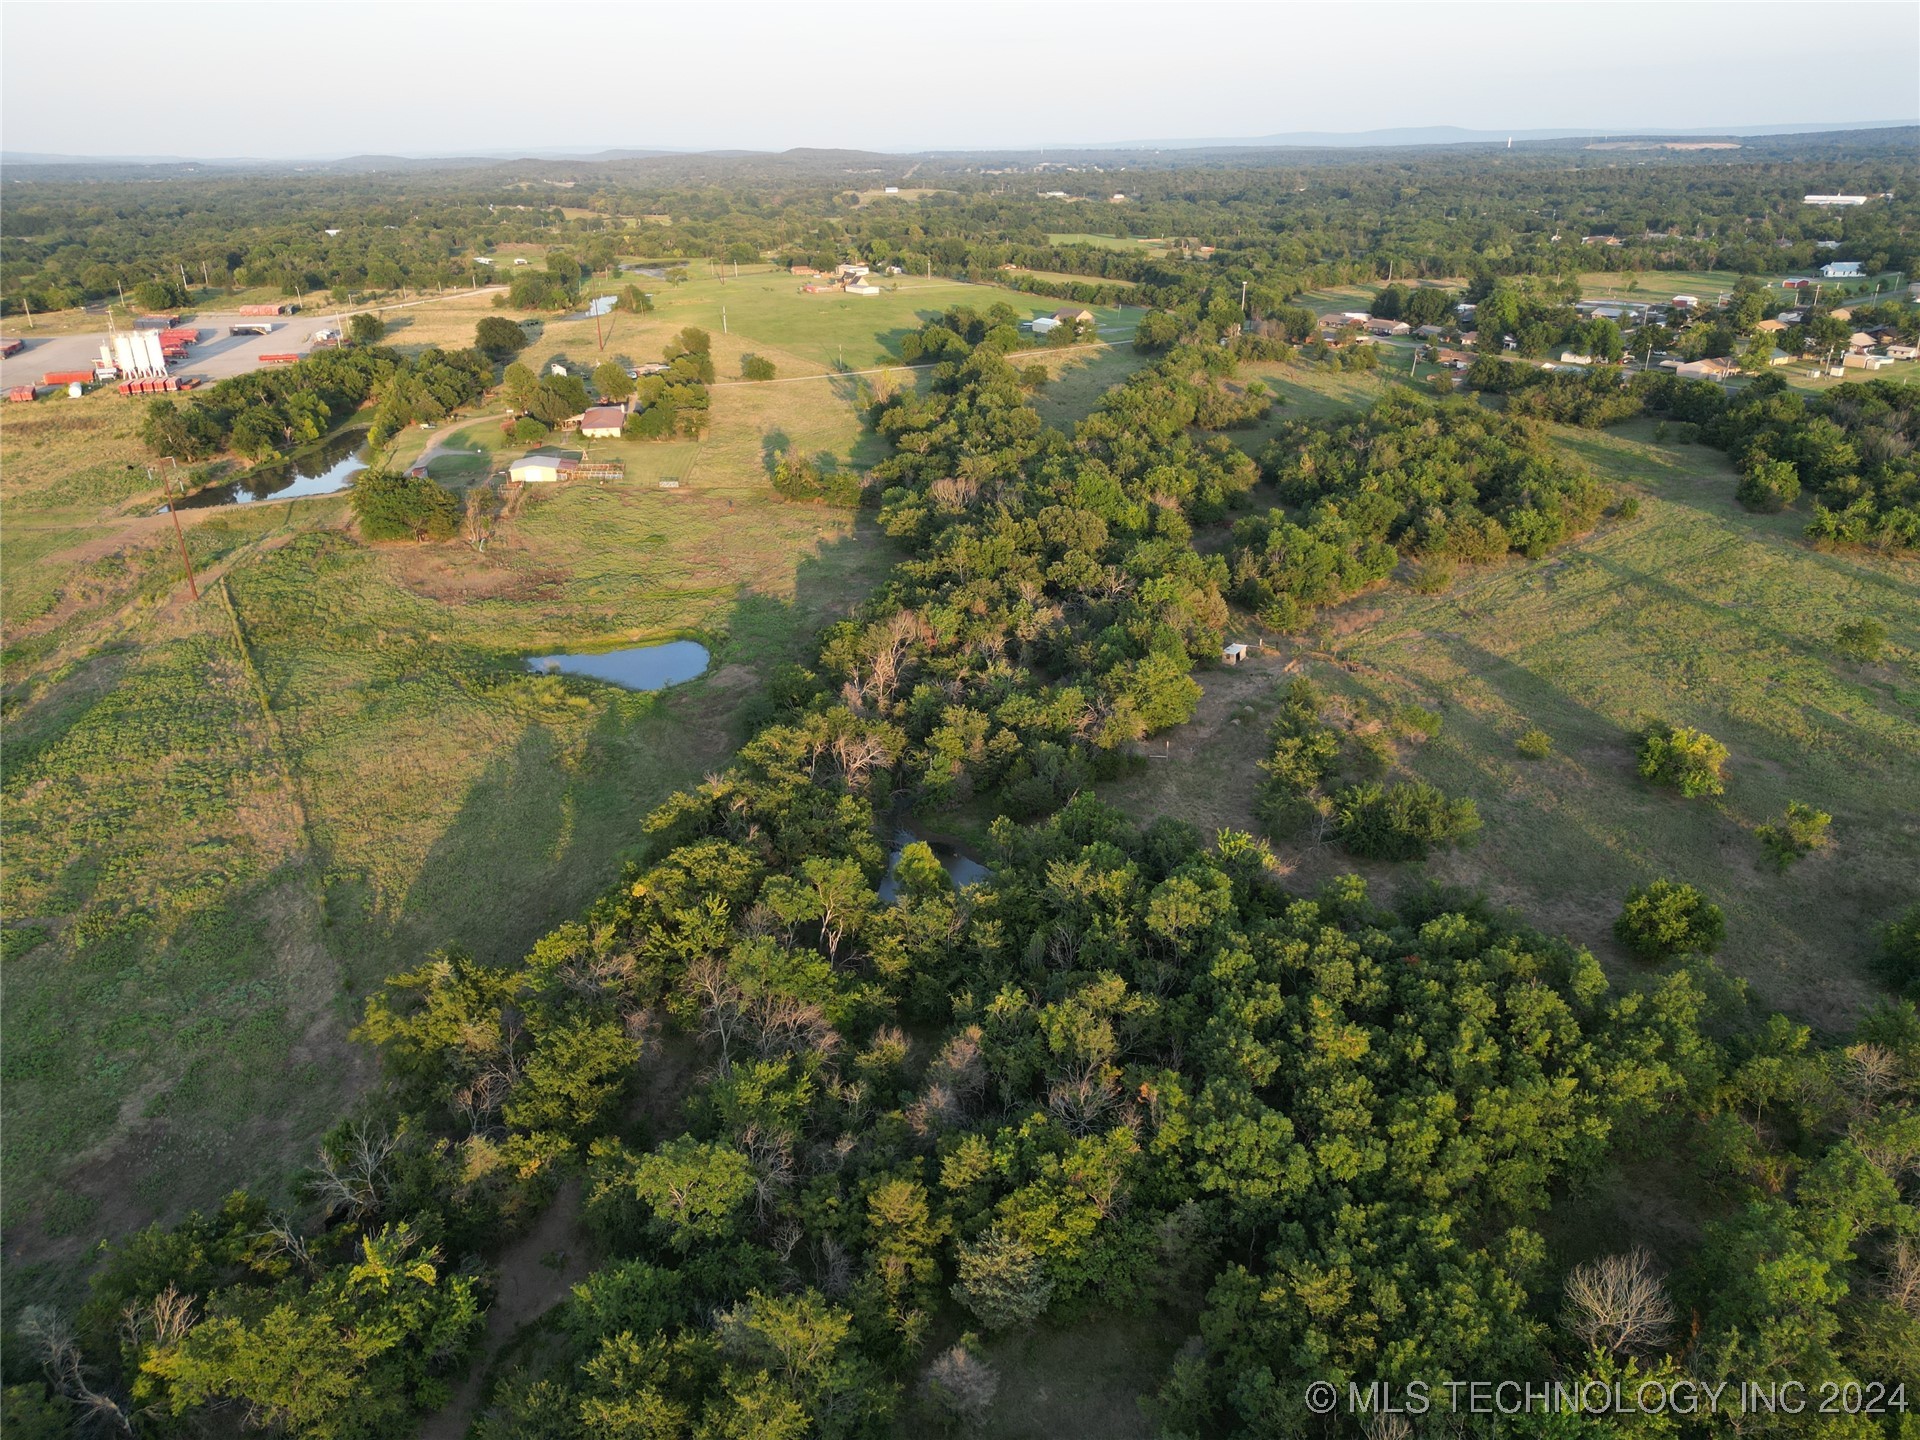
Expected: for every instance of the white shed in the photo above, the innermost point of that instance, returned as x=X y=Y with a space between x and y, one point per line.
x=542 y=467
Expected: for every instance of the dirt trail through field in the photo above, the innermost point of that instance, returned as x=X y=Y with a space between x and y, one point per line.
x=535 y=1273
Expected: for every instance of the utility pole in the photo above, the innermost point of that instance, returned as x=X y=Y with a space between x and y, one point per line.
x=723 y=321
x=1243 y=299
x=186 y=561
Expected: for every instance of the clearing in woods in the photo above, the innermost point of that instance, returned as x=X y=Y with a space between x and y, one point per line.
x=1695 y=611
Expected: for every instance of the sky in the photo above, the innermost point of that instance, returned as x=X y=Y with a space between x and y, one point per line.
x=287 y=79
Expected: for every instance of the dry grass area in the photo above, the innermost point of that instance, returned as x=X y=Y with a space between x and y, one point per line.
x=1695 y=611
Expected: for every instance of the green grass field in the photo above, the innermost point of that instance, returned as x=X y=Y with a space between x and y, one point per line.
x=1695 y=611
x=223 y=829
x=1108 y=242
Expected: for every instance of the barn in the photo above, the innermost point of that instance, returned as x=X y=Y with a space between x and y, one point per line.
x=543 y=467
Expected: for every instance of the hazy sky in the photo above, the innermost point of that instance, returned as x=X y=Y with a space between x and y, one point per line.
x=302 y=79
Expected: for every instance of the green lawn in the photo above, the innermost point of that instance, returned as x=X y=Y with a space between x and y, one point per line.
x=1694 y=611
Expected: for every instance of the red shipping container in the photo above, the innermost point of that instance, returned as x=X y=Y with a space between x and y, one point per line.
x=21 y=392
x=67 y=377
x=278 y=359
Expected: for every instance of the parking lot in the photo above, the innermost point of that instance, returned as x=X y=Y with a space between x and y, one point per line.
x=217 y=356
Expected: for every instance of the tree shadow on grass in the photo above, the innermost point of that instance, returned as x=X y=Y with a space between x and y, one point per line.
x=549 y=823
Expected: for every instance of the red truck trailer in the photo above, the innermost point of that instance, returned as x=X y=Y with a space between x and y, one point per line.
x=180 y=335
x=67 y=377
x=278 y=359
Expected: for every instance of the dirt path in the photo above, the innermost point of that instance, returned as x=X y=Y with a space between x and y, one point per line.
x=535 y=1273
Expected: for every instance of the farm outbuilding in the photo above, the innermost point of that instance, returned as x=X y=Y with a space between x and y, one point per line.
x=543 y=467
x=1234 y=653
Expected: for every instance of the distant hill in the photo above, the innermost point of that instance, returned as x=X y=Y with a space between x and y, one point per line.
x=1389 y=139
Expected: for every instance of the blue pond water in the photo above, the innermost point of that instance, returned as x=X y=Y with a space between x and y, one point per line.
x=639 y=667
x=961 y=867
x=320 y=472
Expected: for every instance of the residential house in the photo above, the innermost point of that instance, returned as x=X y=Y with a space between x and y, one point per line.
x=1706 y=369
x=1771 y=327
x=1833 y=200
x=1380 y=325
x=1841 y=270
x=1073 y=315
x=603 y=422
x=1903 y=352
x=1861 y=340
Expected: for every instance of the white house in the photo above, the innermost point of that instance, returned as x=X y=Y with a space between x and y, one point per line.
x=1903 y=352
x=1841 y=270
x=1836 y=200
x=603 y=422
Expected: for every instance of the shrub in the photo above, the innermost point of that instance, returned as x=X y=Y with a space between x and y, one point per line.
x=1666 y=918
x=1417 y=720
x=1685 y=759
x=366 y=329
x=1861 y=639
x=1800 y=831
x=756 y=367
x=1535 y=744
x=1432 y=575
x=403 y=507
x=529 y=431
x=1627 y=507
x=1769 y=486
x=1899 y=961
x=1401 y=822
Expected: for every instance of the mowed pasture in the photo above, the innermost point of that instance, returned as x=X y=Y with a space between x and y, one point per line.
x=759 y=312
x=1694 y=611
x=226 y=821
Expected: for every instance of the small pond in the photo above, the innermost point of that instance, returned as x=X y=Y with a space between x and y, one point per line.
x=321 y=471
x=639 y=667
x=962 y=868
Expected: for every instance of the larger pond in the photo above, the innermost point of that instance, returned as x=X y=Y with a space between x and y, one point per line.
x=640 y=667
x=962 y=868
x=321 y=471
